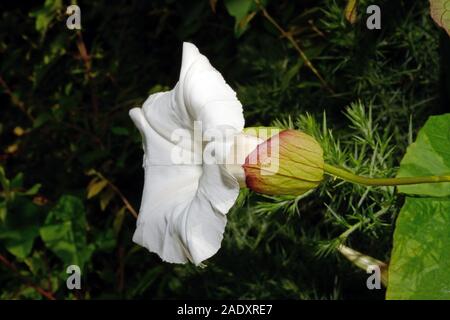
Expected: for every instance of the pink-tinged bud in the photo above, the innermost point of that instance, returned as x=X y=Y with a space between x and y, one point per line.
x=288 y=163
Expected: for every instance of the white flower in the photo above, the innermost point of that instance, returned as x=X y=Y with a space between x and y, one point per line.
x=183 y=209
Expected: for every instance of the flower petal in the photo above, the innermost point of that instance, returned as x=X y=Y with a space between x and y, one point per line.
x=168 y=192
x=206 y=95
x=182 y=214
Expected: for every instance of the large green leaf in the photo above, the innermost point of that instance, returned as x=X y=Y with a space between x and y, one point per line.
x=429 y=155
x=64 y=231
x=420 y=260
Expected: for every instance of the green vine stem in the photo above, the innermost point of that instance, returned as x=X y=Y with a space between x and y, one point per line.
x=350 y=177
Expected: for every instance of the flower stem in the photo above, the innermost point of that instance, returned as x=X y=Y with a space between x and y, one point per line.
x=350 y=177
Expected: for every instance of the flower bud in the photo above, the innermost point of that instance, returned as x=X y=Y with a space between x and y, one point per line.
x=288 y=163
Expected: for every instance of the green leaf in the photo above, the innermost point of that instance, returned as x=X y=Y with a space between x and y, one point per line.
x=35 y=262
x=64 y=232
x=41 y=120
x=20 y=242
x=420 y=260
x=46 y=14
x=429 y=155
x=440 y=12
x=243 y=12
x=21 y=227
x=32 y=191
x=238 y=8
x=17 y=181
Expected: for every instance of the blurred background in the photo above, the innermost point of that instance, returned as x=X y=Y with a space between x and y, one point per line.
x=71 y=160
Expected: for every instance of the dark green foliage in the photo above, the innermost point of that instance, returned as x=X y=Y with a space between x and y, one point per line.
x=64 y=113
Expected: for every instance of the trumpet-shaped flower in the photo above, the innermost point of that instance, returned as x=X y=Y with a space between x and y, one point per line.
x=185 y=199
